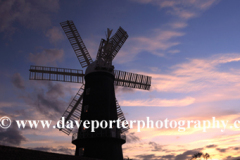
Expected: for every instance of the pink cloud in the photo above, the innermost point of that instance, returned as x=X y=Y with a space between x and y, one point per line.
x=178 y=25
x=157 y=102
x=198 y=75
x=156 y=44
x=173 y=51
x=185 y=9
x=54 y=34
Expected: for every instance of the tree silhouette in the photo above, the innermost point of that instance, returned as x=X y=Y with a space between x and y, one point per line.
x=206 y=156
x=200 y=155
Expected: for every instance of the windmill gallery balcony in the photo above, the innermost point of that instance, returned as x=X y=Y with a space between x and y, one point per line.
x=101 y=133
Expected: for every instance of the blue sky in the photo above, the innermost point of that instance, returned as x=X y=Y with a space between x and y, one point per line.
x=190 y=48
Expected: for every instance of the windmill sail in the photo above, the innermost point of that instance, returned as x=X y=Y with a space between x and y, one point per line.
x=109 y=49
x=56 y=74
x=109 y=32
x=121 y=117
x=73 y=111
x=100 y=49
x=132 y=80
x=117 y=41
x=77 y=43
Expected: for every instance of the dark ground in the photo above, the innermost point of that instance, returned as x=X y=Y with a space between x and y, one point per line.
x=13 y=153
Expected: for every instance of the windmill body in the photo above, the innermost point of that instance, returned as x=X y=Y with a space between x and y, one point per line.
x=95 y=99
x=99 y=104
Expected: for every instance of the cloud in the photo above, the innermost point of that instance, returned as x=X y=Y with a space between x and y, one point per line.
x=232 y=158
x=59 y=149
x=156 y=43
x=157 y=102
x=17 y=81
x=156 y=147
x=177 y=25
x=211 y=146
x=54 y=34
x=12 y=135
x=164 y=154
x=173 y=51
x=48 y=99
x=154 y=69
x=184 y=14
x=28 y=13
x=222 y=150
x=163 y=38
x=47 y=57
x=131 y=137
x=184 y=9
x=200 y=74
x=236 y=148
x=167 y=157
x=187 y=154
x=7 y=104
x=123 y=90
x=146 y=156
x=155 y=157
x=153 y=150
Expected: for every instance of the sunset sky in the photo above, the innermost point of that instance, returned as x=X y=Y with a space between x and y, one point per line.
x=190 y=48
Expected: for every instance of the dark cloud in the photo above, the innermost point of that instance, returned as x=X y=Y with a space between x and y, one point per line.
x=156 y=147
x=222 y=150
x=44 y=97
x=48 y=101
x=2 y=113
x=168 y=157
x=47 y=57
x=187 y=154
x=184 y=156
x=17 y=81
x=28 y=13
x=154 y=157
x=147 y=157
x=236 y=148
x=59 y=149
x=131 y=137
x=233 y=158
x=55 y=90
x=11 y=136
x=211 y=146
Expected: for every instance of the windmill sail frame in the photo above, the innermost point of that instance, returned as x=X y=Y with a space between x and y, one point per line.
x=77 y=43
x=108 y=49
x=73 y=112
x=56 y=74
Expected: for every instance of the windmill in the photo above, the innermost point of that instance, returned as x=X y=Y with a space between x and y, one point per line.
x=95 y=99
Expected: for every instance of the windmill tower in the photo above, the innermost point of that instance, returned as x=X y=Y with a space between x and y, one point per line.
x=95 y=99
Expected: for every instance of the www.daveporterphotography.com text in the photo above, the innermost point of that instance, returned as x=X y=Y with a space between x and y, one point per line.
x=180 y=125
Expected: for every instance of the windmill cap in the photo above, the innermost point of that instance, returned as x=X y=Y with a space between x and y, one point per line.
x=92 y=68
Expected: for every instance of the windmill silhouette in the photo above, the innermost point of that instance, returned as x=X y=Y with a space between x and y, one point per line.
x=95 y=99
